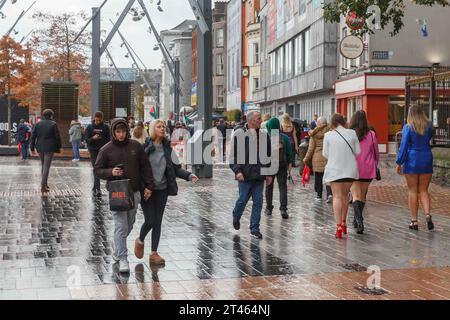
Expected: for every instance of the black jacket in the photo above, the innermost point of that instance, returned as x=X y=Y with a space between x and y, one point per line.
x=102 y=130
x=46 y=137
x=251 y=171
x=173 y=170
x=129 y=153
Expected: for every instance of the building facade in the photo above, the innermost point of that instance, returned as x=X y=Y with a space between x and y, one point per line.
x=179 y=44
x=219 y=44
x=234 y=54
x=252 y=43
x=298 y=59
x=375 y=82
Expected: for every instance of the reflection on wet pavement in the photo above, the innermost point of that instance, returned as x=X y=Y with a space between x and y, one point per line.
x=63 y=240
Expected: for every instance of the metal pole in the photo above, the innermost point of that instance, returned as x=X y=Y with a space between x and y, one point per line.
x=2 y=4
x=9 y=115
x=95 y=64
x=116 y=26
x=89 y=21
x=204 y=91
x=20 y=17
x=158 y=108
x=114 y=64
x=176 y=92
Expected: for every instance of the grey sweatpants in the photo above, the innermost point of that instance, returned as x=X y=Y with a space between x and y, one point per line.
x=123 y=224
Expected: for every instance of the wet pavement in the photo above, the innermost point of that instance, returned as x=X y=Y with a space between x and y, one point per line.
x=59 y=246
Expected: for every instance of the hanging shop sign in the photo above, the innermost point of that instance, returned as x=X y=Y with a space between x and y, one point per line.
x=351 y=47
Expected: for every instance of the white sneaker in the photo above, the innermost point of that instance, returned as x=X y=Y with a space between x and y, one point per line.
x=124 y=266
x=318 y=199
x=330 y=199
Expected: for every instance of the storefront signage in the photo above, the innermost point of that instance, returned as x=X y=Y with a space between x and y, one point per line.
x=351 y=47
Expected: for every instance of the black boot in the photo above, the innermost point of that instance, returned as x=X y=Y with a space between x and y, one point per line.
x=357 y=207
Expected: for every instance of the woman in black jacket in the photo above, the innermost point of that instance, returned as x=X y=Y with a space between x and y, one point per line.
x=166 y=169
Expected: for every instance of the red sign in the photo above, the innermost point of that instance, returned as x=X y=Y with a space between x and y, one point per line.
x=118 y=195
x=353 y=21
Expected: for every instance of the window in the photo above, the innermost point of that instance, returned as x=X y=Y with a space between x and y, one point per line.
x=288 y=59
x=220 y=97
x=255 y=84
x=255 y=53
x=219 y=65
x=299 y=54
x=307 y=49
x=219 y=38
x=302 y=9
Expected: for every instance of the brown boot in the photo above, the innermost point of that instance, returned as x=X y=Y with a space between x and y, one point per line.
x=156 y=259
x=139 y=248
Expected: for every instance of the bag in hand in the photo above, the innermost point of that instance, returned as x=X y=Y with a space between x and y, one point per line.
x=306 y=175
x=121 y=195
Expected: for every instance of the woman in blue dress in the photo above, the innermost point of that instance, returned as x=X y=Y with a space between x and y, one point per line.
x=415 y=161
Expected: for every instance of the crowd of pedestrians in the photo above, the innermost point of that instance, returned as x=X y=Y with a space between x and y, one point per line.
x=343 y=154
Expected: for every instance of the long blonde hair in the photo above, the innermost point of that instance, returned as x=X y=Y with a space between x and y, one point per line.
x=152 y=128
x=286 y=123
x=417 y=120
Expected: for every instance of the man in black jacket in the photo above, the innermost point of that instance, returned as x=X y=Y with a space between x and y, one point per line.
x=97 y=135
x=124 y=158
x=47 y=140
x=247 y=165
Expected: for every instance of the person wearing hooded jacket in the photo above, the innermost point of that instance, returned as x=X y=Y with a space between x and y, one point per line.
x=123 y=157
x=286 y=160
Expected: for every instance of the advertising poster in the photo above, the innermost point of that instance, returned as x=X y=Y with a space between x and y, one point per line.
x=272 y=20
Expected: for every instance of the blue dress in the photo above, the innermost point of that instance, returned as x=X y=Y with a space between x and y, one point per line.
x=415 y=152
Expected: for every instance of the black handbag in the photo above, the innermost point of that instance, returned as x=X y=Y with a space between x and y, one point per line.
x=121 y=195
x=378 y=173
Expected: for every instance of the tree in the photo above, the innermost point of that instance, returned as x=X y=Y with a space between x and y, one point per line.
x=391 y=11
x=16 y=73
x=61 y=58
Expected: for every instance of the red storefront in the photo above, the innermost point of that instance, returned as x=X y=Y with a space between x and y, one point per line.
x=382 y=97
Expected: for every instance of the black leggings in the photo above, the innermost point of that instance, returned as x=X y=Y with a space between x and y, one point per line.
x=153 y=213
x=318 y=185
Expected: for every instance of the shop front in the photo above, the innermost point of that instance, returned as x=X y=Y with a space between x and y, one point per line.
x=382 y=97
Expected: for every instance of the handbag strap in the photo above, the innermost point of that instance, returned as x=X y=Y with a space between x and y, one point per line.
x=373 y=145
x=345 y=141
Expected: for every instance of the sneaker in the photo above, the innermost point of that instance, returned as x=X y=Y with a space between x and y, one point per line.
x=156 y=259
x=139 y=248
x=256 y=234
x=124 y=266
x=284 y=214
x=330 y=199
x=75 y=160
x=236 y=224
x=268 y=212
x=318 y=199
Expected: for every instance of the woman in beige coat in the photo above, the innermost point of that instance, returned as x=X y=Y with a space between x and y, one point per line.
x=315 y=154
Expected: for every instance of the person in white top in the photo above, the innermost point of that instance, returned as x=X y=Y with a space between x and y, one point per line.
x=340 y=147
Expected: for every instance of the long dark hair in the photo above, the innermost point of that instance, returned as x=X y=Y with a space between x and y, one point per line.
x=359 y=124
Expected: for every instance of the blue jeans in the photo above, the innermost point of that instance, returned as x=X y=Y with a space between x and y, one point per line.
x=249 y=189
x=76 y=149
x=24 y=149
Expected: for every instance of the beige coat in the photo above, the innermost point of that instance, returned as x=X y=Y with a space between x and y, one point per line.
x=315 y=149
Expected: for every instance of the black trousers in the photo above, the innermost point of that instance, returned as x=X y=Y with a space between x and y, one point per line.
x=94 y=154
x=282 y=185
x=318 y=185
x=153 y=214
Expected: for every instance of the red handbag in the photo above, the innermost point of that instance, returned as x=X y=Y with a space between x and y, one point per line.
x=306 y=175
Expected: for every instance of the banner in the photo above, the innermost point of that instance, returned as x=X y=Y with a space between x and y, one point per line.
x=17 y=113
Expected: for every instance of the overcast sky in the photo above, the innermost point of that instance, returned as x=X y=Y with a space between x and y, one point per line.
x=175 y=11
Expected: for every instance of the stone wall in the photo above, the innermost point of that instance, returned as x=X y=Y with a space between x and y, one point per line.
x=441 y=174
